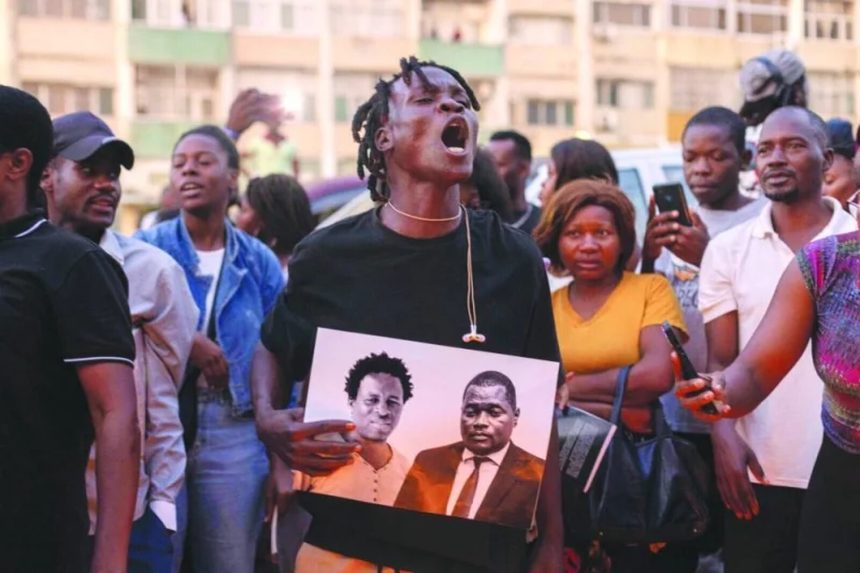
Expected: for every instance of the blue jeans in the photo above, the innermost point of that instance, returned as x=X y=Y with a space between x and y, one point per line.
x=227 y=469
x=150 y=549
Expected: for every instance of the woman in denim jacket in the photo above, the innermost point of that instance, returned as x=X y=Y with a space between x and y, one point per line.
x=234 y=279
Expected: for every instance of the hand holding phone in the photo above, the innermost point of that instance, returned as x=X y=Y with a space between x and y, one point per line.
x=688 y=371
x=670 y=197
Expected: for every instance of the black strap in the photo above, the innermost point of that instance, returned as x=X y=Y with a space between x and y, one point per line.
x=188 y=393
x=620 y=387
x=658 y=418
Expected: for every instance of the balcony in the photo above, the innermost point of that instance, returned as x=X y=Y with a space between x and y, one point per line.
x=380 y=56
x=46 y=38
x=155 y=139
x=557 y=62
x=475 y=60
x=178 y=46
x=275 y=50
x=545 y=7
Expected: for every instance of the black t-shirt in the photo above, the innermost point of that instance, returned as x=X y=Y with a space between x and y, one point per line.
x=63 y=302
x=529 y=220
x=360 y=276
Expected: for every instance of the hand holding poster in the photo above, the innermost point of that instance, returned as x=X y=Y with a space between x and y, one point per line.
x=443 y=430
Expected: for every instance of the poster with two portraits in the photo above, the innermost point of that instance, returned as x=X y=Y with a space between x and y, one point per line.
x=453 y=440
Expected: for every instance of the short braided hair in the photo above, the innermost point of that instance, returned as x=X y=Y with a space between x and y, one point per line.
x=370 y=116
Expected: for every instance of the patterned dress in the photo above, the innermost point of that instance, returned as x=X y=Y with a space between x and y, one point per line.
x=831 y=271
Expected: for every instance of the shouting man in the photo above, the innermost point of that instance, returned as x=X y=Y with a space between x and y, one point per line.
x=419 y=268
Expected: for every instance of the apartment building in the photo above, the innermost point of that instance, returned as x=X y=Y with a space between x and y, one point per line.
x=627 y=72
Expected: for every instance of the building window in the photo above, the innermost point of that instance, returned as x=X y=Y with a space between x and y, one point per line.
x=829 y=20
x=695 y=88
x=176 y=92
x=294 y=16
x=762 y=16
x=61 y=99
x=629 y=94
x=638 y=15
x=350 y=91
x=367 y=18
x=81 y=9
x=181 y=13
x=169 y=13
x=206 y=13
x=699 y=14
x=832 y=94
x=541 y=30
x=554 y=112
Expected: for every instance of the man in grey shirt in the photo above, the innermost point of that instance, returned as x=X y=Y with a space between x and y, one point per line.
x=713 y=153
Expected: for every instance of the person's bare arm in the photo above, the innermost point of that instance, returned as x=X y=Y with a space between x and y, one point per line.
x=550 y=542
x=722 y=335
x=244 y=110
x=110 y=393
x=284 y=433
x=649 y=378
x=775 y=347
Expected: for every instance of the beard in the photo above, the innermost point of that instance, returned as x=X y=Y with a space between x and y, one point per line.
x=789 y=196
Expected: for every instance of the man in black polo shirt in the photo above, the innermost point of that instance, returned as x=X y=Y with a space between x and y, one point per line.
x=66 y=357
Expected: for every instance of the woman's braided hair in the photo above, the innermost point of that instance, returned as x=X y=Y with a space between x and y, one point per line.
x=370 y=115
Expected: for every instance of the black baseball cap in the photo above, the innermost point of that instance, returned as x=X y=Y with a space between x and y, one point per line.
x=841 y=137
x=80 y=134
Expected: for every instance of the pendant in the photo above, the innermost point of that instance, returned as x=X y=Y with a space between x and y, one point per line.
x=474 y=336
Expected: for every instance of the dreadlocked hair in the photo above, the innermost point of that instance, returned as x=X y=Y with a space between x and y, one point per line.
x=370 y=115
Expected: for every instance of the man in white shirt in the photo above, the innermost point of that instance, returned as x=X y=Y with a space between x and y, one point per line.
x=377 y=388
x=779 y=441
x=485 y=476
x=82 y=188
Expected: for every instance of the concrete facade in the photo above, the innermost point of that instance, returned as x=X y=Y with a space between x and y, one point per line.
x=626 y=72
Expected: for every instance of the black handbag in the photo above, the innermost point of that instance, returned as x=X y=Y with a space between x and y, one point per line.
x=647 y=490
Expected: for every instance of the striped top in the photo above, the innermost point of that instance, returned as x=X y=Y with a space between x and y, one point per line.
x=831 y=268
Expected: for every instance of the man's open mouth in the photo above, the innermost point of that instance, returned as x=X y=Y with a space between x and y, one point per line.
x=455 y=135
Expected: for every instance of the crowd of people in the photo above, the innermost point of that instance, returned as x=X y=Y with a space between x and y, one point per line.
x=148 y=403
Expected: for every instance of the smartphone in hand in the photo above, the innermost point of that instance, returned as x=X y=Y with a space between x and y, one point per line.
x=688 y=371
x=670 y=197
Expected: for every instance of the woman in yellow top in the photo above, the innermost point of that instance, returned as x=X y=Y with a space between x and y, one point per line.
x=608 y=318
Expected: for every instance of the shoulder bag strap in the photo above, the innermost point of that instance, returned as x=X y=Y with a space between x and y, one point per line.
x=620 y=386
x=658 y=419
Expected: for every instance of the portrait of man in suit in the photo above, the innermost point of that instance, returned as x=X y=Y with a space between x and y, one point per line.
x=485 y=476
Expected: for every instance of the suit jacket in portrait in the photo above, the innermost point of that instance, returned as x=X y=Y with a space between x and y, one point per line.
x=510 y=500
